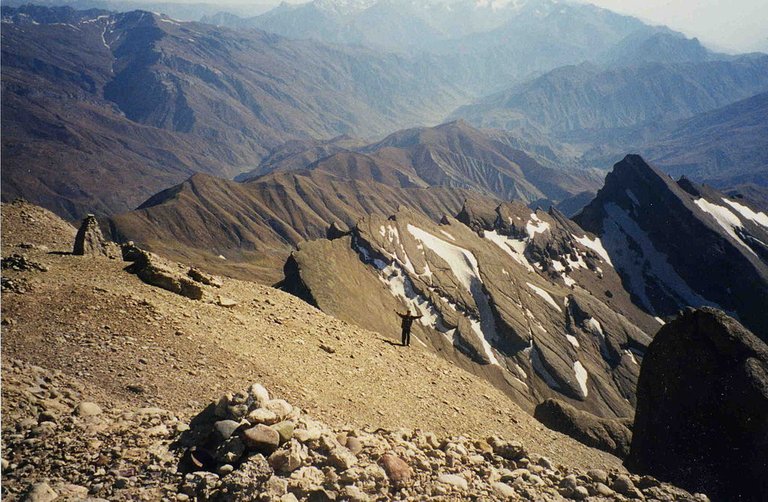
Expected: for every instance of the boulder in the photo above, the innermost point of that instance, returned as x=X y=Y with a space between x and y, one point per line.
x=702 y=408
x=607 y=434
x=154 y=271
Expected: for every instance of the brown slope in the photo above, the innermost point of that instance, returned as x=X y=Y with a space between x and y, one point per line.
x=453 y=154
x=260 y=221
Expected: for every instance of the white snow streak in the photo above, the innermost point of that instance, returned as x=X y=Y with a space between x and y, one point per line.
x=581 y=377
x=759 y=218
x=595 y=245
x=725 y=218
x=513 y=247
x=536 y=226
x=546 y=296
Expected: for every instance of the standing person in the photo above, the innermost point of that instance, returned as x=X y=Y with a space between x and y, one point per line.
x=408 y=319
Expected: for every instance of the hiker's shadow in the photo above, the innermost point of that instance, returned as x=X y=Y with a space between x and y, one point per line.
x=394 y=344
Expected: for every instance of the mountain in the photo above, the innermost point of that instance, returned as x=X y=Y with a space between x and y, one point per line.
x=661 y=46
x=682 y=244
x=725 y=147
x=591 y=103
x=248 y=229
x=451 y=154
x=524 y=299
x=256 y=223
x=481 y=45
x=139 y=102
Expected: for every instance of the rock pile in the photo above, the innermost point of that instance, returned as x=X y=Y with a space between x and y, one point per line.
x=251 y=446
x=90 y=241
x=248 y=446
x=20 y=263
x=58 y=446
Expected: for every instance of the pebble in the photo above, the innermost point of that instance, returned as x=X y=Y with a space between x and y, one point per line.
x=88 y=409
x=261 y=438
x=454 y=480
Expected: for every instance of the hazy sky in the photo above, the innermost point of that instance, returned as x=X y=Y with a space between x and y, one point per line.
x=733 y=25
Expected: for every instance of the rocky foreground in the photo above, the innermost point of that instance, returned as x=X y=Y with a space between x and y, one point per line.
x=251 y=446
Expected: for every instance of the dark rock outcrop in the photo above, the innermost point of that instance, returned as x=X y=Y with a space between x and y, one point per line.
x=702 y=410
x=679 y=244
x=611 y=435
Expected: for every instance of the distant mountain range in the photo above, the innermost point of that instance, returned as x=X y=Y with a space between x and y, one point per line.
x=144 y=101
x=103 y=110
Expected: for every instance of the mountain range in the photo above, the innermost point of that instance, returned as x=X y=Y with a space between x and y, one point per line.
x=432 y=170
x=145 y=101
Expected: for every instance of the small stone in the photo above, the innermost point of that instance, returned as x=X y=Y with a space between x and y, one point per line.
x=546 y=463
x=341 y=458
x=456 y=481
x=225 y=428
x=622 y=484
x=568 y=485
x=397 y=470
x=603 y=490
x=262 y=416
x=262 y=439
x=580 y=493
x=598 y=475
x=354 y=445
x=225 y=302
x=289 y=458
x=327 y=348
x=275 y=487
x=503 y=490
x=258 y=393
x=281 y=408
x=354 y=494
x=225 y=469
x=285 y=429
x=41 y=492
x=510 y=450
x=88 y=409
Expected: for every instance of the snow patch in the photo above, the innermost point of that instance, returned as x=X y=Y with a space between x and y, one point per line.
x=725 y=218
x=546 y=296
x=759 y=218
x=538 y=366
x=448 y=235
x=619 y=230
x=513 y=247
x=536 y=226
x=632 y=197
x=573 y=341
x=595 y=245
x=581 y=377
x=464 y=266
